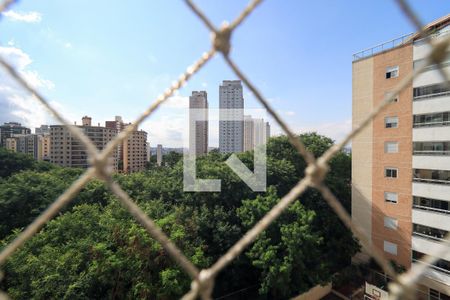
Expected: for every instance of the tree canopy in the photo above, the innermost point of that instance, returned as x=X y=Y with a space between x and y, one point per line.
x=94 y=249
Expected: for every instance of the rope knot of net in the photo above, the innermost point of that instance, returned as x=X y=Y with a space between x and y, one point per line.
x=439 y=51
x=102 y=165
x=221 y=39
x=317 y=171
x=204 y=284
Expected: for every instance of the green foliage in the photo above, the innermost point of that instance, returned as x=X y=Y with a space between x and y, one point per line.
x=23 y=196
x=11 y=162
x=94 y=249
x=289 y=251
x=95 y=252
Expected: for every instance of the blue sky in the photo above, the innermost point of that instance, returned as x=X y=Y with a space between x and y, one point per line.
x=106 y=58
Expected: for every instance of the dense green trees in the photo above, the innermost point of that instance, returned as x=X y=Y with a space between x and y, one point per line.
x=15 y=162
x=94 y=249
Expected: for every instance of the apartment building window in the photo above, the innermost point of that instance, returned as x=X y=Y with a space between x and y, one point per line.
x=391 y=122
x=391 y=197
x=387 y=95
x=431 y=176
x=391 y=147
x=431 y=148
x=429 y=91
x=390 y=172
x=432 y=120
x=440 y=265
x=436 y=205
x=436 y=295
x=390 y=247
x=390 y=223
x=391 y=72
x=429 y=232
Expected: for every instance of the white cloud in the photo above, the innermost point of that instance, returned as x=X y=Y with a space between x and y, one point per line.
x=290 y=113
x=176 y=101
x=28 y=17
x=15 y=103
x=67 y=45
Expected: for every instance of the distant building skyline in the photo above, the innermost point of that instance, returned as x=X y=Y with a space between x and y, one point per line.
x=231 y=133
x=198 y=130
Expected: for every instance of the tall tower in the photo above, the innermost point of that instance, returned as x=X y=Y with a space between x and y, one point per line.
x=198 y=131
x=231 y=122
x=159 y=155
x=401 y=162
x=248 y=133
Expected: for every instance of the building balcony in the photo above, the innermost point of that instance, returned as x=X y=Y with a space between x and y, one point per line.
x=432 y=160
x=431 y=190
x=431 y=217
x=430 y=246
x=435 y=273
x=431 y=103
x=430 y=76
x=434 y=131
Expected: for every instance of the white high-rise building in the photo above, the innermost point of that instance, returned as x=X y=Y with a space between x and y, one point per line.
x=198 y=131
x=248 y=133
x=159 y=155
x=267 y=132
x=231 y=132
x=256 y=132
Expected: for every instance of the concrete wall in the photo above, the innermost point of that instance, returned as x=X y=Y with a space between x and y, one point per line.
x=362 y=105
x=402 y=160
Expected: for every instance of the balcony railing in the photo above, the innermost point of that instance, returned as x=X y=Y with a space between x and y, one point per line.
x=417 y=98
x=428 y=208
x=383 y=47
x=432 y=266
x=431 y=152
x=435 y=181
x=432 y=124
x=429 y=237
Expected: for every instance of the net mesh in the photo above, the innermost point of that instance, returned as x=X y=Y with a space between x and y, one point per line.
x=402 y=285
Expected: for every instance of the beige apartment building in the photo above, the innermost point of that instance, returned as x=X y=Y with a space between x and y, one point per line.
x=11 y=144
x=401 y=161
x=132 y=152
x=135 y=152
x=256 y=132
x=66 y=150
x=198 y=130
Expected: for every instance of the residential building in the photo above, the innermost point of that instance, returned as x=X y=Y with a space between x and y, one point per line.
x=259 y=132
x=248 y=133
x=34 y=145
x=10 y=128
x=135 y=152
x=132 y=152
x=28 y=144
x=231 y=117
x=256 y=132
x=149 y=152
x=43 y=147
x=11 y=144
x=159 y=154
x=198 y=130
x=66 y=150
x=401 y=161
x=43 y=130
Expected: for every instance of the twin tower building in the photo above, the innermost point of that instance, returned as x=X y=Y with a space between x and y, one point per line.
x=237 y=132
